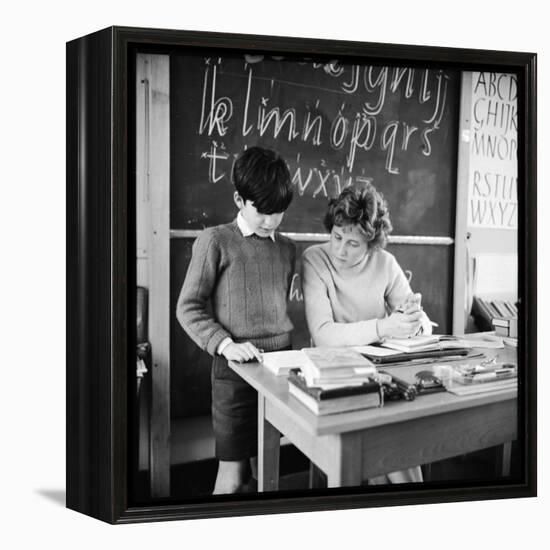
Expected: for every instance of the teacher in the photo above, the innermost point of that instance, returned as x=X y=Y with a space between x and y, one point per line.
x=355 y=292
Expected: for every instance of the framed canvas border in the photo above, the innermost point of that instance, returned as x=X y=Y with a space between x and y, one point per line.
x=99 y=253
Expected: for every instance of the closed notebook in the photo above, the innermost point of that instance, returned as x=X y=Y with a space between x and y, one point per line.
x=331 y=401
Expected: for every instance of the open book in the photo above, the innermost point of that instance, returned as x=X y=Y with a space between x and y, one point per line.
x=441 y=342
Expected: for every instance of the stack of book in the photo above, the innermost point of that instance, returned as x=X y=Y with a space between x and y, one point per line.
x=327 y=365
x=322 y=401
x=335 y=367
x=335 y=380
x=506 y=326
x=485 y=310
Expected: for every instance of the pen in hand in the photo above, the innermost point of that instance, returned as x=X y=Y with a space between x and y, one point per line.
x=401 y=309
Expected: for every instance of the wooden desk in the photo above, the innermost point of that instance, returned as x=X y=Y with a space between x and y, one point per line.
x=351 y=447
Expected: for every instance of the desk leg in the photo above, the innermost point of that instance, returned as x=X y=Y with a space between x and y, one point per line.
x=427 y=471
x=346 y=470
x=269 y=442
x=317 y=478
x=504 y=459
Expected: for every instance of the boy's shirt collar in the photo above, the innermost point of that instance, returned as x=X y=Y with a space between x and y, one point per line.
x=245 y=228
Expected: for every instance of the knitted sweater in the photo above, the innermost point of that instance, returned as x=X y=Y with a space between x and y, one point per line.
x=237 y=287
x=342 y=304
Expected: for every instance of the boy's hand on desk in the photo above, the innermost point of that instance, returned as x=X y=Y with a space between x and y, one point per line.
x=400 y=325
x=242 y=352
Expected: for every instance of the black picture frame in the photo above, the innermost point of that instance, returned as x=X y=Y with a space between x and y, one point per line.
x=100 y=297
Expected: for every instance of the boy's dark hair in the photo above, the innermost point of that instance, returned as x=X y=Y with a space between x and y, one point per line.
x=262 y=177
x=364 y=207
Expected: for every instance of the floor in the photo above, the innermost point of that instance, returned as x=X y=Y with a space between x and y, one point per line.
x=196 y=479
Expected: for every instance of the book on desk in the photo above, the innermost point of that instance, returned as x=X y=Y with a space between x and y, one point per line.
x=280 y=363
x=332 y=380
x=415 y=343
x=322 y=401
x=327 y=380
x=325 y=365
x=322 y=365
x=403 y=357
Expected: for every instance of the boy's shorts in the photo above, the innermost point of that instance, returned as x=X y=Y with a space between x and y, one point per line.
x=234 y=413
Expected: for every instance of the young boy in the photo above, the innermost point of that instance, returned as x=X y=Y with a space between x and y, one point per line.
x=244 y=269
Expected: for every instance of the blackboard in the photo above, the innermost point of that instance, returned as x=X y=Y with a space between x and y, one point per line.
x=334 y=123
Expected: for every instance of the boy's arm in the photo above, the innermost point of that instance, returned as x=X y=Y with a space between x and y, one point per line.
x=200 y=281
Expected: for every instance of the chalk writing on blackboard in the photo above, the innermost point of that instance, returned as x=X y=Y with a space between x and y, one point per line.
x=264 y=106
x=334 y=123
x=295 y=293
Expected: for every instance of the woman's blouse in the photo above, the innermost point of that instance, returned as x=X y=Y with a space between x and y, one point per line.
x=342 y=304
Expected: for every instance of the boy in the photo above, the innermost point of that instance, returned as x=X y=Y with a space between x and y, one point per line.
x=244 y=269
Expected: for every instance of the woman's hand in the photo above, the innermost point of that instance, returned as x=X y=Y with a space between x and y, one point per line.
x=400 y=325
x=242 y=352
x=412 y=304
x=425 y=325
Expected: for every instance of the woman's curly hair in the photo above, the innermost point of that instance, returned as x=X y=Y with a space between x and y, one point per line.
x=362 y=206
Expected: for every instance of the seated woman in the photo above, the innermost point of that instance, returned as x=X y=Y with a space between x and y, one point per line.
x=355 y=292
